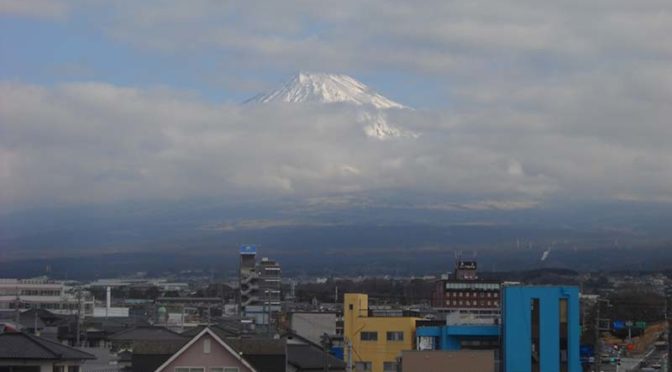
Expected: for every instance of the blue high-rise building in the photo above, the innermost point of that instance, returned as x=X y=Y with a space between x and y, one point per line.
x=540 y=329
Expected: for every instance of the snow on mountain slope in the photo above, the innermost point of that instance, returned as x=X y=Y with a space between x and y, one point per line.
x=327 y=88
x=333 y=88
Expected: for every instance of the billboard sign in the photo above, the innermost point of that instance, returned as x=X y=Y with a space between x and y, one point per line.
x=248 y=249
x=618 y=325
x=466 y=265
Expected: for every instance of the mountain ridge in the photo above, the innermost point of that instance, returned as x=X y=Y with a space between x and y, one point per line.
x=324 y=88
x=320 y=87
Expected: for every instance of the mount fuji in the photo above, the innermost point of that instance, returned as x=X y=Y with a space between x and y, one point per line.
x=323 y=88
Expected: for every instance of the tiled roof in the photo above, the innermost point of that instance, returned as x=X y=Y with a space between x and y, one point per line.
x=160 y=347
x=146 y=334
x=222 y=330
x=24 y=346
x=308 y=357
x=257 y=346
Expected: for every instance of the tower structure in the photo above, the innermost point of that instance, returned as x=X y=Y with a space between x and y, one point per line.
x=248 y=279
x=260 y=281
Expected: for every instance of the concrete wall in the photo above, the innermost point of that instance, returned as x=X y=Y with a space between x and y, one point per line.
x=448 y=361
x=313 y=325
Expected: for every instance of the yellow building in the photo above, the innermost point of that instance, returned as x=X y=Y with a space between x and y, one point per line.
x=377 y=341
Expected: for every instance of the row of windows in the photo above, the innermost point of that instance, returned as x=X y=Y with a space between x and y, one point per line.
x=49 y=306
x=202 y=369
x=470 y=303
x=30 y=292
x=65 y=369
x=473 y=294
x=368 y=366
x=472 y=286
x=373 y=336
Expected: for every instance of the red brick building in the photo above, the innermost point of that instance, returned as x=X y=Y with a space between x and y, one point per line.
x=465 y=290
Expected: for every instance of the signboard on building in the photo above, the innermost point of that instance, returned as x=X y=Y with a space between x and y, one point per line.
x=466 y=265
x=425 y=343
x=248 y=249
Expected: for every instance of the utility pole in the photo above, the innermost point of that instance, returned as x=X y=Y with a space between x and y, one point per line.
x=268 y=311
x=597 y=350
x=35 y=322
x=348 y=345
x=668 y=322
x=325 y=347
x=17 y=305
x=79 y=313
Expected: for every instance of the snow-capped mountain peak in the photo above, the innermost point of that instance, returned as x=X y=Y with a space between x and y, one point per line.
x=327 y=88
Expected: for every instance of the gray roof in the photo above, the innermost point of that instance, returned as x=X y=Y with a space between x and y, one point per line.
x=222 y=330
x=17 y=345
x=146 y=334
x=160 y=347
x=257 y=346
x=307 y=357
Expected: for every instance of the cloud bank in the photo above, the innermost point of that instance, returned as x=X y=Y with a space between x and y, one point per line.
x=96 y=142
x=522 y=101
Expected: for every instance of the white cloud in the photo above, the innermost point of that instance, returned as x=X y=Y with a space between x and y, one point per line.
x=539 y=99
x=96 y=142
x=34 y=8
x=433 y=37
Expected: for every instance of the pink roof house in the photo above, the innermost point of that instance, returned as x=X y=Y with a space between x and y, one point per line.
x=206 y=352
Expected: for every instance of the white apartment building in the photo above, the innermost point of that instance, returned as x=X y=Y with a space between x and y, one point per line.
x=41 y=293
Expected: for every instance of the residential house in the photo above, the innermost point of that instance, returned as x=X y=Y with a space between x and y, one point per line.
x=22 y=352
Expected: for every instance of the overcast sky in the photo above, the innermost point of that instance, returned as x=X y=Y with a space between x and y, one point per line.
x=515 y=101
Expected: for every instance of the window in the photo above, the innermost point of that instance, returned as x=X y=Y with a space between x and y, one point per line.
x=390 y=367
x=368 y=336
x=58 y=369
x=206 y=346
x=363 y=366
x=189 y=369
x=395 y=336
x=231 y=369
x=73 y=369
x=224 y=369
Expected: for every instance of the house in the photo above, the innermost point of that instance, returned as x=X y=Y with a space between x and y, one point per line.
x=28 y=353
x=303 y=355
x=262 y=354
x=206 y=352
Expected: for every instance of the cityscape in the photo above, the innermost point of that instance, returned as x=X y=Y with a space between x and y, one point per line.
x=353 y=186
x=463 y=319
